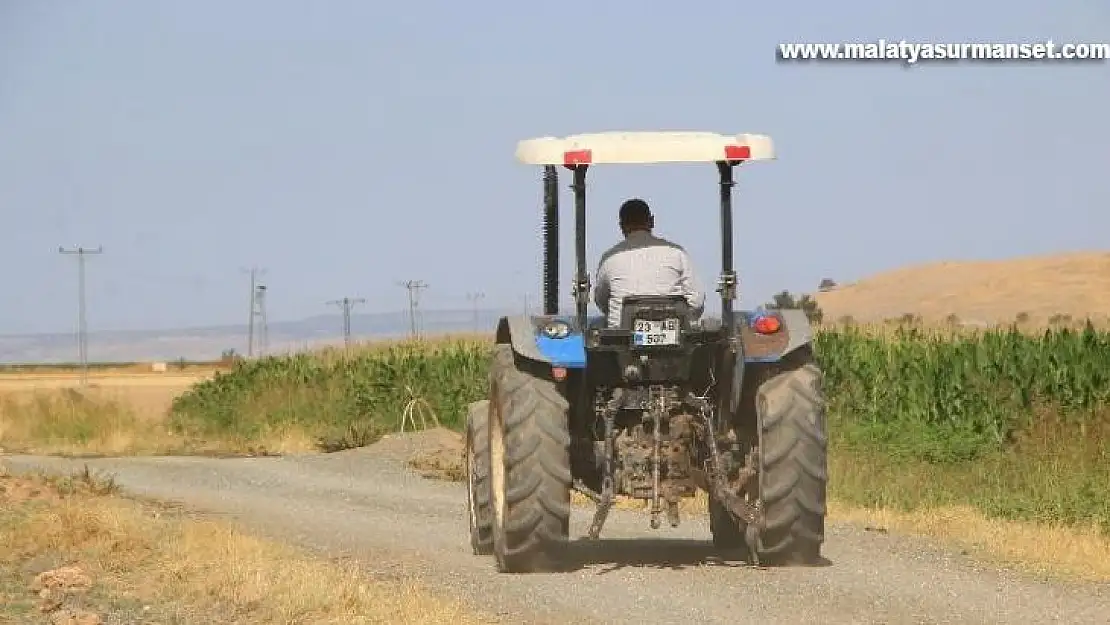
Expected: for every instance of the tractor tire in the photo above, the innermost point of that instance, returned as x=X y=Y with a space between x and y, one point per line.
x=530 y=477
x=790 y=408
x=478 y=509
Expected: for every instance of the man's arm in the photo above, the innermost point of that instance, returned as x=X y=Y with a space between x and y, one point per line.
x=601 y=289
x=688 y=281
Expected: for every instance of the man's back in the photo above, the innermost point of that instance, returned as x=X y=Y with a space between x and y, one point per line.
x=644 y=264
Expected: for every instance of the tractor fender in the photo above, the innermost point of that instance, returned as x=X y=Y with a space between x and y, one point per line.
x=525 y=334
x=797 y=324
x=798 y=331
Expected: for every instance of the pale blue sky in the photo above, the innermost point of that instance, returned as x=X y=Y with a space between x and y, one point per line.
x=347 y=145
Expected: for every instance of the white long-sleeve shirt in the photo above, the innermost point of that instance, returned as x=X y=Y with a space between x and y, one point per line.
x=644 y=264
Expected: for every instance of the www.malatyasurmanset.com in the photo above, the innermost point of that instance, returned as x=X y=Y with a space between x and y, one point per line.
x=910 y=52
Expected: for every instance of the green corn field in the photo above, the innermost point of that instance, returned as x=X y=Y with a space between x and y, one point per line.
x=951 y=398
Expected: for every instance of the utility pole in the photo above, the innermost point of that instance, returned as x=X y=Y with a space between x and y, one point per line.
x=346 y=304
x=82 y=328
x=413 y=287
x=255 y=273
x=260 y=297
x=473 y=299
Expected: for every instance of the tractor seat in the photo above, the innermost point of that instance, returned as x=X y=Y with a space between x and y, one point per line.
x=597 y=321
x=633 y=307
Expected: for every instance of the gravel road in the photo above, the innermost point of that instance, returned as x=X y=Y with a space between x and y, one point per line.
x=368 y=506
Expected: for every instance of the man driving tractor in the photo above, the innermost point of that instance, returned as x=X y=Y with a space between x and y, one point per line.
x=655 y=406
x=644 y=264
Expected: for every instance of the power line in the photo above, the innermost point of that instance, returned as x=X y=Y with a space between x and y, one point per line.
x=82 y=328
x=413 y=287
x=346 y=304
x=473 y=298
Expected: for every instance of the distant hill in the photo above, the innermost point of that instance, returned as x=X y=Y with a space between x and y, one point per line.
x=207 y=343
x=984 y=292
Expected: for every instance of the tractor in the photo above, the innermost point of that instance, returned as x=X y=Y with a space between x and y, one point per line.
x=655 y=409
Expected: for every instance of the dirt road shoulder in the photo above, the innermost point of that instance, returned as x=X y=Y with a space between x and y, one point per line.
x=72 y=550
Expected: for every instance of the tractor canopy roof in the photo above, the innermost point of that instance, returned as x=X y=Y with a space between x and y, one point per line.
x=633 y=148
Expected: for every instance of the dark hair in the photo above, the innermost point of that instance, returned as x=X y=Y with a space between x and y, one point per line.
x=635 y=212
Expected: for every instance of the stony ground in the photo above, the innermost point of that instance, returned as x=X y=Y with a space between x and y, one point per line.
x=369 y=505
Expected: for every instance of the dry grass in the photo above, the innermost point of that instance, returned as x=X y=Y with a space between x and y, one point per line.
x=124 y=559
x=980 y=291
x=67 y=421
x=1058 y=550
x=91 y=422
x=148 y=396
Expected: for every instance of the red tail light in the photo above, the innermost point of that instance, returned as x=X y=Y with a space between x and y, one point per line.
x=767 y=325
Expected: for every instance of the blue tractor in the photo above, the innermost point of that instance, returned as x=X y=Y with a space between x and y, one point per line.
x=654 y=409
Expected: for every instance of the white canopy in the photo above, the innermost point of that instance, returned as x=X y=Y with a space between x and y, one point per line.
x=644 y=147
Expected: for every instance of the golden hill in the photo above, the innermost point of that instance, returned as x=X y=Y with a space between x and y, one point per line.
x=980 y=292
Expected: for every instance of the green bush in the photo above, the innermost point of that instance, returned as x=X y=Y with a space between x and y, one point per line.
x=336 y=398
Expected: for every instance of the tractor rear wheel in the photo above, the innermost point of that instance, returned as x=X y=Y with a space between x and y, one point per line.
x=478 y=507
x=793 y=471
x=530 y=478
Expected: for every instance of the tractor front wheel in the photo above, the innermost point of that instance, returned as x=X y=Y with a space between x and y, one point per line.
x=478 y=508
x=529 y=460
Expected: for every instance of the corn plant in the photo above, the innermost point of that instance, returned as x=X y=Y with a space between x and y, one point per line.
x=952 y=398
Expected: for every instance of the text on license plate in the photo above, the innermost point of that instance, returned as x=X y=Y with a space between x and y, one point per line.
x=655 y=332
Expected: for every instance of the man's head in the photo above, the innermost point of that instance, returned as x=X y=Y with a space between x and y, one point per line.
x=635 y=215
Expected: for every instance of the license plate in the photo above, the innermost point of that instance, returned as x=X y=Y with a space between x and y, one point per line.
x=651 y=332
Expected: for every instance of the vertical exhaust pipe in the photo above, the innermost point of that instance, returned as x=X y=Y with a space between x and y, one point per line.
x=550 y=240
